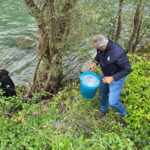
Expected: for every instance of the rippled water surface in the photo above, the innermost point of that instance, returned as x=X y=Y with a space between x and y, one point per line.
x=18 y=36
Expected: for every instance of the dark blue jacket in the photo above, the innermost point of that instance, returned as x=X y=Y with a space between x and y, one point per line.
x=113 y=61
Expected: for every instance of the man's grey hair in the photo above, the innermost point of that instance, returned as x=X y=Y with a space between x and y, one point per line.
x=100 y=40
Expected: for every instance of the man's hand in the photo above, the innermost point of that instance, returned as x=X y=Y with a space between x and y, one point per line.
x=108 y=79
x=92 y=66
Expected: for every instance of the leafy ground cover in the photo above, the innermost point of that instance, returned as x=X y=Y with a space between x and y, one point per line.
x=68 y=121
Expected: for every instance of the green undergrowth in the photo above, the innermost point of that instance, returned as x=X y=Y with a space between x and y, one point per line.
x=67 y=122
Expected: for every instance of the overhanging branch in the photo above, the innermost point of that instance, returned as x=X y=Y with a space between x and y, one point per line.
x=36 y=12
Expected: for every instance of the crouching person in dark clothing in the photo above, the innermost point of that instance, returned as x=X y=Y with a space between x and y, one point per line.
x=6 y=84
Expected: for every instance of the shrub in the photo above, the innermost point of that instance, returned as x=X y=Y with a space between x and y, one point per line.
x=136 y=97
x=68 y=121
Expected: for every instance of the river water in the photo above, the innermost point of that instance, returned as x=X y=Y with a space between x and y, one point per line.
x=18 y=38
x=18 y=34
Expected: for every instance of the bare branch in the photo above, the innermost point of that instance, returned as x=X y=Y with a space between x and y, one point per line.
x=36 y=12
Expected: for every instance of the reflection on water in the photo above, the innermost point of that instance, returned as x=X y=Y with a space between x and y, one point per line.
x=18 y=36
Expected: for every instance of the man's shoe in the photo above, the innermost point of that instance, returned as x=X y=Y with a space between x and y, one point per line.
x=125 y=124
x=10 y=115
x=100 y=114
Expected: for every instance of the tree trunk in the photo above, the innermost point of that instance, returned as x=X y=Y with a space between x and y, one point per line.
x=53 y=32
x=135 y=28
x=119 y=24
x=138 y=36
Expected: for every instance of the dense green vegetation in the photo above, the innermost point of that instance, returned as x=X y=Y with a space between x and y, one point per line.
x=68 y=121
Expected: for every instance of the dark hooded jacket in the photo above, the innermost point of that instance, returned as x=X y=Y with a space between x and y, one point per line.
x=6 y=84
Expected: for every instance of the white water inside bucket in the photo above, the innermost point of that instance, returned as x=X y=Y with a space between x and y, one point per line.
x=90 y=80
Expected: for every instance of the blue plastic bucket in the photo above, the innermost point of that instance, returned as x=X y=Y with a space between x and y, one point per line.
x=88 y=92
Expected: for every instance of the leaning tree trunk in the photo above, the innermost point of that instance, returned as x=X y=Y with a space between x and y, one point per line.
x=119 y=24
x=53 y=33
x=138 y=35
x=135 y=28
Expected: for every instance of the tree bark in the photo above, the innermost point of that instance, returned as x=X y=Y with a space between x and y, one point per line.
x=119 y=24
x=135 y=27
x=138 y=36
x=53 y=32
